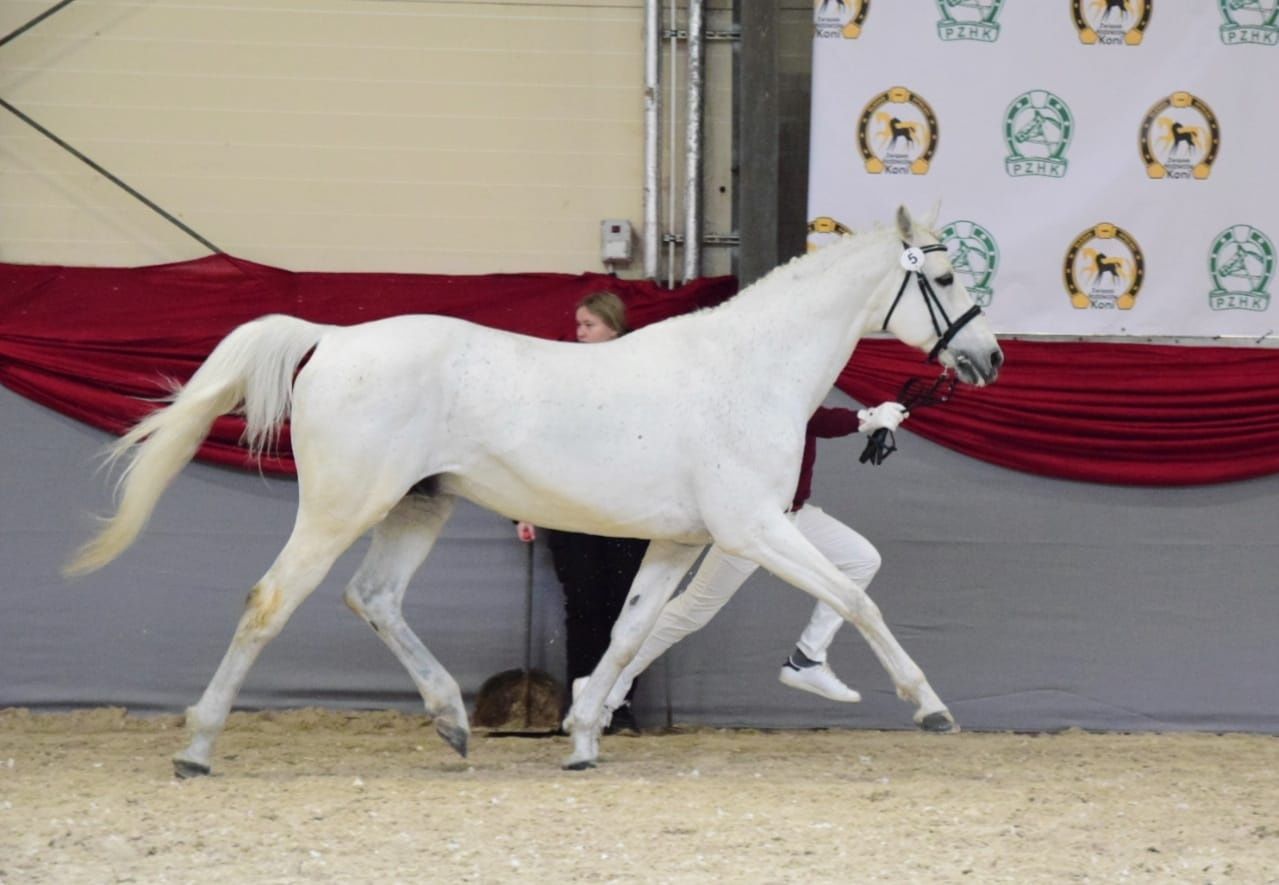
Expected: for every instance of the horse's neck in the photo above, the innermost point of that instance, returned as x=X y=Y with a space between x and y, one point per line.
x=811 y=312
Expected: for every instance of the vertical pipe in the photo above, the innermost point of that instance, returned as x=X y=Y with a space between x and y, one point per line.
x=528 y=634
x=693 y=146
x=672 y=77
x=652 y=135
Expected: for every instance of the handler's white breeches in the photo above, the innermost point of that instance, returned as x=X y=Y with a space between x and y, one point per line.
x=852 y=554
x=721 y=574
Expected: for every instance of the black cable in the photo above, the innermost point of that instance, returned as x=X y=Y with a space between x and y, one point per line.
x=109 y=176
x=35 y=21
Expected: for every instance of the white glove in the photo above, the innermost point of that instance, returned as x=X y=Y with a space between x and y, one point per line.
x=888 y=416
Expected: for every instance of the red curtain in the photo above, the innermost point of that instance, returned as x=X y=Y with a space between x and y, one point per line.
x=101 y=344
x=98 y=343
x=1131 y=414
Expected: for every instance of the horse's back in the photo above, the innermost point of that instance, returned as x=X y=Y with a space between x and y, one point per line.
x=607 y=437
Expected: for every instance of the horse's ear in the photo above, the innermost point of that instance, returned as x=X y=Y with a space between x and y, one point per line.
x=904 y=223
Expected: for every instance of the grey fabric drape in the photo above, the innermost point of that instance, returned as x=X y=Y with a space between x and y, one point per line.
x=1031 y=604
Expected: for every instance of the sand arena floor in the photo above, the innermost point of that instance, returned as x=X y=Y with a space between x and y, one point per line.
x=324 y=796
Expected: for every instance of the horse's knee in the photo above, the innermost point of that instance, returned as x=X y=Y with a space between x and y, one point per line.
x=856 y=606
x=864 y=610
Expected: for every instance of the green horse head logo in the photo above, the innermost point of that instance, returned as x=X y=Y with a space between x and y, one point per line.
x=1242 y=263
x=1038 y=127
x=969 y=20
x=1249 y=21
x=974 y=255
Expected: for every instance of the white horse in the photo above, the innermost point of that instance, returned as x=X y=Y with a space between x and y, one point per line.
x=686 y=431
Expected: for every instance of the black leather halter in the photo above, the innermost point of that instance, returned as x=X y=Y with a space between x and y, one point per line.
x=936 y=312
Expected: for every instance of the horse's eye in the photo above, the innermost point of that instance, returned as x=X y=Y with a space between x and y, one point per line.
x=946 y=279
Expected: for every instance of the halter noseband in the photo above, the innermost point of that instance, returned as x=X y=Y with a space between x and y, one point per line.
x=913 y=262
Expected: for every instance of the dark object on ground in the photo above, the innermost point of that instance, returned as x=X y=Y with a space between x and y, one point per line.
x=515 y=701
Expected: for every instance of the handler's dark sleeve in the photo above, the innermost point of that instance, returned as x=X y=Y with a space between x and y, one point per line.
x=825 y=424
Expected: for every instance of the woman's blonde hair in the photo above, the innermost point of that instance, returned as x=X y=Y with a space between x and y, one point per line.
x=609 y=308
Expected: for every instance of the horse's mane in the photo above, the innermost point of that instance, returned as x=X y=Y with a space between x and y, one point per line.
x=811 y=263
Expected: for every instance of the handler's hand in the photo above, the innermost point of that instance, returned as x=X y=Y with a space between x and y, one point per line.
x=525 y=531
x=886 y=416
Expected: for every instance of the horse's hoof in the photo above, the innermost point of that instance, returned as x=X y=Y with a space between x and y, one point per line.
x=185 y=768
x=454 y=735
x=939 y=723
x=571 y=764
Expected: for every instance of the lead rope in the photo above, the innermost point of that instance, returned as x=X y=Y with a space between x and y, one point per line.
x=916 y=393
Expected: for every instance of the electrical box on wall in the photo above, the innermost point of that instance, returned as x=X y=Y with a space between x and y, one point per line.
x=616 y=238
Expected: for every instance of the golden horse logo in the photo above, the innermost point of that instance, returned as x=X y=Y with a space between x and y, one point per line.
x=895 y=128
x=1097 y=264
x=1176 y=133
x=1111 y=21
x=1125 y=9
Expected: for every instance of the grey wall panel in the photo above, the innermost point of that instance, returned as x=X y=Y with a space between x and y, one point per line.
x=149 y=629
x=1030 y=603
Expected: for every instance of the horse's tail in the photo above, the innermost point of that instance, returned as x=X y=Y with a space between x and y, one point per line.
x=253 y=367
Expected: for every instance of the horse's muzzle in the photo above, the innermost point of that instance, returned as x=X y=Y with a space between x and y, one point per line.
x=978 y=371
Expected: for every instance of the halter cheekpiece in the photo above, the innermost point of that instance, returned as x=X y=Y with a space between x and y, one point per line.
x=912 y=261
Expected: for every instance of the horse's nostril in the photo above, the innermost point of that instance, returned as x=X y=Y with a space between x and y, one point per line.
x=996 y=358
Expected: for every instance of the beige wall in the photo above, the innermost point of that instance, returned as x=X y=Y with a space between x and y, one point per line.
x=450 y=137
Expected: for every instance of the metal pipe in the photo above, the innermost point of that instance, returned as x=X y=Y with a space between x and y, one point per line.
x=693 y=145
x=652 y=135
x=529 y=566
x=672 y=71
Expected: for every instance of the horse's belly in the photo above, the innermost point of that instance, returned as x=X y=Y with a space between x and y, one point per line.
x=615 y=513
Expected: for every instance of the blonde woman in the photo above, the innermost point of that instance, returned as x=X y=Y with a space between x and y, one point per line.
x=595 y=572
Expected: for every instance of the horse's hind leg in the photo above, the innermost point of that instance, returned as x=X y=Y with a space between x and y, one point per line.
x=400 y=543
x=301 y=565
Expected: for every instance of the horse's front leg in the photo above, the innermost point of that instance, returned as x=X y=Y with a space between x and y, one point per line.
x=665 y=563
x=782 y=549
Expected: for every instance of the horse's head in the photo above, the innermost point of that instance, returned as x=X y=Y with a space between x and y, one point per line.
x=933 y=311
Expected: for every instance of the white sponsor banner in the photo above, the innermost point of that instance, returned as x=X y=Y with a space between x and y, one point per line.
x=1104 y=167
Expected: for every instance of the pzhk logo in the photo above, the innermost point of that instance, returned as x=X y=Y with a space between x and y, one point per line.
x=974 y=255
x=897 y=133
x=1180 y=138
x=1111 y=22
x=840 y=18
x=1104 y=269
x=824 y=230
x=969 y=20
x=1242 y=263
x=1037 y=130
x=1250 y=21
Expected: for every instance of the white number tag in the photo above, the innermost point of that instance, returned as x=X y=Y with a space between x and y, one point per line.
x=913 y=259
